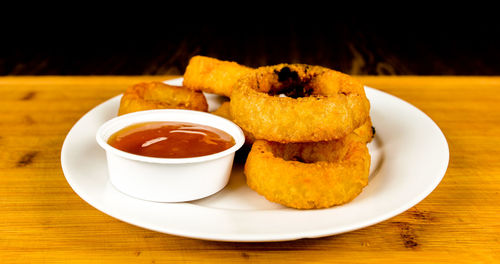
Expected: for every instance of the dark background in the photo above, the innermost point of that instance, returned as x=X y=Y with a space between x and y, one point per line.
x=391 y=44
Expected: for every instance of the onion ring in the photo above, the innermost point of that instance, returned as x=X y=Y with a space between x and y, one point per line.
x=212 y=75
x=158 y=95
x=319 y=104
x=309 y=175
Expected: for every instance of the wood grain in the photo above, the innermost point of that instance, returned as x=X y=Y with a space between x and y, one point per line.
x=44 y=221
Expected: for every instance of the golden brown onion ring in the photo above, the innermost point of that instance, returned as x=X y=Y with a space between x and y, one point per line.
x=158 y=95
x=212 y=75
x=298 y=103
x=309 y=175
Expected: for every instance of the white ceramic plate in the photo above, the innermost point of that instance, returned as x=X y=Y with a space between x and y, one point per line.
x=409 y=158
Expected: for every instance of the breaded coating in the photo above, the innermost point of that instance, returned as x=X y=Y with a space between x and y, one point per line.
x=158 y=95
x=298 y=103
x=212 y=75
x=308 y=175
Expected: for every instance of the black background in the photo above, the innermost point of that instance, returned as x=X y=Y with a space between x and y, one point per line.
x=394 y=43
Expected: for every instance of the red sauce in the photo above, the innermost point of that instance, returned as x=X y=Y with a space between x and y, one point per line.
x=171 y=140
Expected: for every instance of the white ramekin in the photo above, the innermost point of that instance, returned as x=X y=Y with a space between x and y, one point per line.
x=166 y=179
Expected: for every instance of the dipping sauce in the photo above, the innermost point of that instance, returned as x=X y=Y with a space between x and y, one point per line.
x=168 y=139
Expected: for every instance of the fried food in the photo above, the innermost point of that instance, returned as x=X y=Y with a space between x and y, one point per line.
x=158 y=95
x=298 y=103
x=212 y=75
x=307 y=127
x=309 y=175
x=224 y=111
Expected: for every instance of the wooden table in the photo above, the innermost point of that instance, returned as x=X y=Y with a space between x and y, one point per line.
x=43 y=221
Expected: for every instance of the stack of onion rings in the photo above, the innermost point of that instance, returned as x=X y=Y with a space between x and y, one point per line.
x=158 y=95
x=308 y=127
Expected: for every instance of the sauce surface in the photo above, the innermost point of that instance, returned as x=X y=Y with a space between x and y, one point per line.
x=171 y=140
